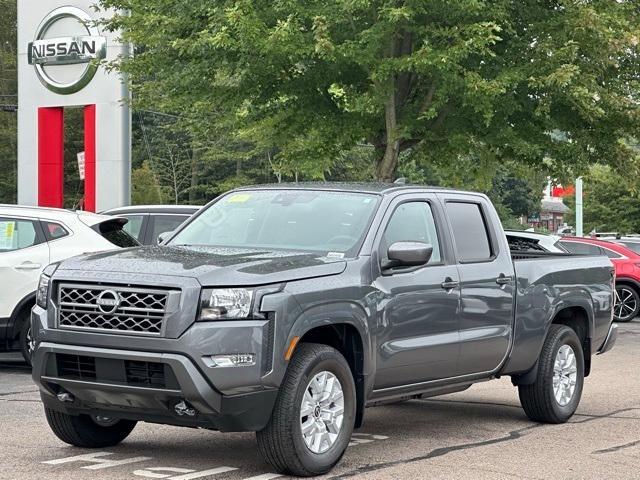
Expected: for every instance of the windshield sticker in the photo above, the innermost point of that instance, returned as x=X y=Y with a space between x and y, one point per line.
x=335 y=255
x=7 y=230
x=239 y=198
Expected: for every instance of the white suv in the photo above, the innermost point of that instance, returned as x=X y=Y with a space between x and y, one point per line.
x=30 y=239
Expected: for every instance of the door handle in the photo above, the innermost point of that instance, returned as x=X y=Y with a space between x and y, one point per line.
x=449 y=283
x=28 y=266
x=503 y=279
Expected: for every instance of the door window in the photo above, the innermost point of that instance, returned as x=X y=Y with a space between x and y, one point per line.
x=412 y=222
x=165 y=223
x=469 y=232
x=134 y=226
x=16 y=234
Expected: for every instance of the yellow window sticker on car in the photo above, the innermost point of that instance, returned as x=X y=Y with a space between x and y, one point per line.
x=7 y=230
x=239 y=198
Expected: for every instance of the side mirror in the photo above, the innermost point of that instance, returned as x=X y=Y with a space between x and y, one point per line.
x=408 y=254
x=164 y=236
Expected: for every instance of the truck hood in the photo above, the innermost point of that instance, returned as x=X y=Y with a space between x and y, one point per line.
x=211 y=266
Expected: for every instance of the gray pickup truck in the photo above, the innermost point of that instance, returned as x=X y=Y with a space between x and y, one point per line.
x=288 y=309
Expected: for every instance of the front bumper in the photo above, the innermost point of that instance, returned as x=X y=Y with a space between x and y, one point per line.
x=108 y=390
x=610 y=341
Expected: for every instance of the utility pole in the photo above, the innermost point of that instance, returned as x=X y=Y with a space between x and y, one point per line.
x=579 y=232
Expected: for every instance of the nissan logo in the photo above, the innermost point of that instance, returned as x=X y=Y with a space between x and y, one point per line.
x=87 y=47
x=108 y=301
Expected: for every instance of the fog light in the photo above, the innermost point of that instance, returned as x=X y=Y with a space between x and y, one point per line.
x=234 y=360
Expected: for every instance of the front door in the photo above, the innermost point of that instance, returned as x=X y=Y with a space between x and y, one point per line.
x=417 y=328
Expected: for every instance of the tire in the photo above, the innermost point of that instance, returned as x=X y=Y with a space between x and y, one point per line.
x=82 y=431
x=539 y=399
x=26 y=347
x=627 y=304
x=282 y=443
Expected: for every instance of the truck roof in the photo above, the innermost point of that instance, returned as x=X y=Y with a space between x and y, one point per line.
x=363 y=187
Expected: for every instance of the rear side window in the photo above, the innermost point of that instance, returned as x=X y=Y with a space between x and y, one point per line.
x=579 y=248
x=469 y=231
x=113 y=232
x=165 y=223
x=134 y=226
x=53 y=230
x=16 y=234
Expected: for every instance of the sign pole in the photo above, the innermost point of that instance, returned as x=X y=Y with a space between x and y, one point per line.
x=579 y=232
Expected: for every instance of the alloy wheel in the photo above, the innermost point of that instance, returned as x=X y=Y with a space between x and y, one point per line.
x=565 y=373
x=322 y=412
x=626 y=303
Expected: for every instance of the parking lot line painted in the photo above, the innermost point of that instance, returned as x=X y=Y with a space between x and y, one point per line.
x=204 y=473
x=95 y=458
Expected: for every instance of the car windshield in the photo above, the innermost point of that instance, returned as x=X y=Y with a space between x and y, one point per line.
x=633 y=246
x=307 y=220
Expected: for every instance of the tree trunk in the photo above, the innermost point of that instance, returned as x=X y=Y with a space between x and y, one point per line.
x=386 y=167
x=194 y=175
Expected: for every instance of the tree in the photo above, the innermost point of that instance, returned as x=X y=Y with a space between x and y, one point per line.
x=8 y=101
x=436 y=78
x=144 y=187
x=611 y=202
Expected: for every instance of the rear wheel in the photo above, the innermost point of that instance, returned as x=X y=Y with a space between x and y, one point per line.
x=627 y=304
x=556 y=392
x=88 y=432
x=314 y=415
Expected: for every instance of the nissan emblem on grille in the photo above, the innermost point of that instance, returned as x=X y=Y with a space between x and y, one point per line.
x=112 y=309
x=108 y=301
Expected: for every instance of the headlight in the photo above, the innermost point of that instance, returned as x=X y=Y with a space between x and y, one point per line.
x=42 y=293
x=225 y=303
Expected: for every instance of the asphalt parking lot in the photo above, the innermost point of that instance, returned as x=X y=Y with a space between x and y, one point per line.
x=480 y=433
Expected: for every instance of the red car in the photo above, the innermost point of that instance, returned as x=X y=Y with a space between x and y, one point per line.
x=627 y=265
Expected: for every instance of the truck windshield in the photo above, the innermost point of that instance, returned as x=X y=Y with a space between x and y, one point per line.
x=308 y=220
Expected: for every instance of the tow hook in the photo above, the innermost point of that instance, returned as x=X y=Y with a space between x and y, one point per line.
x=65 y=397
x=183 y=408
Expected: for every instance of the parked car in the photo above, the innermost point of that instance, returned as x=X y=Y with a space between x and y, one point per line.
x=627 y=265
x=531 y=242
x=30 y=239
x=288 y=309
x=147 y=222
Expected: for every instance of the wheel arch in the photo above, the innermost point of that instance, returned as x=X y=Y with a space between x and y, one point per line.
x=26 y=304
x=348 y=335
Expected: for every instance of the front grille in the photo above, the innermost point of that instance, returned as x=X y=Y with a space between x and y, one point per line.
x=76 y=366
x=112 y=309
x=146 y=374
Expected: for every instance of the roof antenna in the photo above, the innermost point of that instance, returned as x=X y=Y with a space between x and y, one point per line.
x=400 y=181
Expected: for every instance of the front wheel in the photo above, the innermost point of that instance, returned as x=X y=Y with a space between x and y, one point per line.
x=556 y=392
x=88 y=432
x=627 y=304
x=314 y=415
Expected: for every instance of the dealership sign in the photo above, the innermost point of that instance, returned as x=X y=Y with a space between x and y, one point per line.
x=86 y=46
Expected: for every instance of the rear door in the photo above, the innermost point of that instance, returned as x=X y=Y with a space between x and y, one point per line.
x=487 y=283
x=417 y=328
x=23 y=254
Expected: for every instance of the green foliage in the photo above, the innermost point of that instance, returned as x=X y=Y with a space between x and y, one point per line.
x=611 y=202
x=438 y=80
x=144 y=186
x=8 y=100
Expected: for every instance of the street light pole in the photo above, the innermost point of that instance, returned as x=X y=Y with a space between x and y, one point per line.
x=579 y=232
